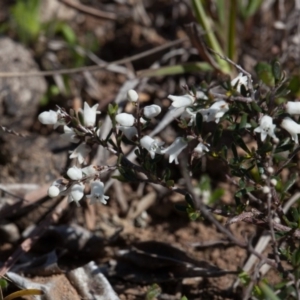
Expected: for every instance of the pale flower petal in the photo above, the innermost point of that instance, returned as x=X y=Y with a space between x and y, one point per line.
x=48 y=117
x=181 y=101
x=175 y=149
x=89 y=114
x=151 y=111
x=125 y=119
x=129 y=132
x=215 y=112
x=81 y=152
x=291 y=127
x=151 y=145
x=76 y=193
x=70 y=135
x=240 y=80
x=293 y=108
x=97 y=193
x=266 y=127
x=201 y=148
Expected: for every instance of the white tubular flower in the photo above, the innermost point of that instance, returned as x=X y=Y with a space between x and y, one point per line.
x=97 y=193
x=76 y=193
x=293 y=108
x=75 y=173
x=51 y=117
x=70 y=135
x=240 y=80
x=125 y=119
x=291 y=127
x=151 y=111
x=151 y=145
x=175 y=149
x=89 y=114
x=201 y=148
x=132 y=96
x=215 y=112
x=129 y=132
x=181 y=101
x=81 y=152
x=89 y=171
x=266 y=127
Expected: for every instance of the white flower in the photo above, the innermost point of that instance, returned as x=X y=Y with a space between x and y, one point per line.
x=89 y=114
x=293 y=108
x=125 y=119
x=151 y=145
x=201 y=148
x=266 y=127
x=181 y=101
x=89 y=171
x=215 y=112
x=76 y=193
x=291 y=127
x=239 y=81
x=97 y=193
x=201 y=95
x=75 y=173
x=151 y=111
x=132 y=96
x=57 y=187
x=129 y=132
x=51 y=117
x=70 y=135
x=175 y=149
x=81 y=152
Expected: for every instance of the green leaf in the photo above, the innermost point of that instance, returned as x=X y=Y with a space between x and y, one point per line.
x=267 y=291
x=234 y=151
x=199 y=121
x=216 y=195
x=184 y=298
x=264 y=73
x=241 y=143
x=255 y=106
x=217 y=135
x=276 y=70
x=170 y=183
x=290 y=182
x=3 y=283
x=176 y=69
x=153 y=292
x=243 y=122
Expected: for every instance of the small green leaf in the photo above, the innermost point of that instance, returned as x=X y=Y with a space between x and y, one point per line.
x=3 y=283
x=241 y=143
x=217 y=135
x=243 y=122
x=234 y=151
x=264 y=72
x=276 y=70
x=153 y=292
x=199 y=120
x=255 y=106
x=170 y=183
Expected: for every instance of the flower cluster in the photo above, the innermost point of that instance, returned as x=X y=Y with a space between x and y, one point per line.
x=82 y=130
x=77 y=178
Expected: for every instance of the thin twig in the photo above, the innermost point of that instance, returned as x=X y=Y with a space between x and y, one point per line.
x=90 y=10
x=94 y=67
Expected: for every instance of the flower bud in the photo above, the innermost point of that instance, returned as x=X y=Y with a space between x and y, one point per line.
x=53 y=191
x=74 y=173
x=125 y=119
x=132 y=96
x=151 y=111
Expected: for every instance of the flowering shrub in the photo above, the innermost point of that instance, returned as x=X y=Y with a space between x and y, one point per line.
x=262 y=140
